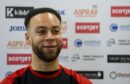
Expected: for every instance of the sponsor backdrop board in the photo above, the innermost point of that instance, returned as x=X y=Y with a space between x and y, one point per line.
x=96 y=37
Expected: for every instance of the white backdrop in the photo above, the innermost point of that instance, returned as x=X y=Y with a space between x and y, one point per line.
x=96 y=37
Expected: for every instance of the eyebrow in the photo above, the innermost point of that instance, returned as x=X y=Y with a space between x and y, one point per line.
x=40 y=27
x=56 y=27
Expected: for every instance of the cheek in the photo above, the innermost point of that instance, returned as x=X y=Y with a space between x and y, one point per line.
x=59 y=37
x=33 y=41
x=59 y=40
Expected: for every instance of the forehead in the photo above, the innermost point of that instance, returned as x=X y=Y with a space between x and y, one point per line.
x=45 y=17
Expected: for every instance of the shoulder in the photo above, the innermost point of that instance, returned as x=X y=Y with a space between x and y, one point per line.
x=80 y=79
x=9 y=79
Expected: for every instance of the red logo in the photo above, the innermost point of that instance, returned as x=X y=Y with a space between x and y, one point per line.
x=18 y=59
x=87 y=27
x=64 y=43
x=120 y=11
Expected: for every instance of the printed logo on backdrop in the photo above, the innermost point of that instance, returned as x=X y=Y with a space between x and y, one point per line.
x=92 y=43
x=117 y=75
x=64 y=26
x=75 y=57
x=87 y=43
x=18 y=59
x=114 y=27
x=113 y=75
x=17 y=11
x=87 y=27
x=92 y=74
x=92 y=58
x=122 y=27
x=118 y=58
x=86 y=12
x=119 y=42
x=64 y=43
x=86 y=58
x=17 y=28
x=124 y=42
x=18 y=44
x=120 y=11
x=78 y=43
x=63 y=58
x=61 y=12
x=8 y=73
x=111 y=42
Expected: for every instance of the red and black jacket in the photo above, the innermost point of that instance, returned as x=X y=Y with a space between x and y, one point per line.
x=28 y=76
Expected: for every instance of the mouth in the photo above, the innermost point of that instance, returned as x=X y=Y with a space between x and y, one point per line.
x=50 y=46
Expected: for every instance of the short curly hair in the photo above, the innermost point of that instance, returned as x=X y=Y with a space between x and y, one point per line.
x=37 y=11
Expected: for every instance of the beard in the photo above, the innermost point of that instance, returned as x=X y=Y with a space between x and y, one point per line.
x=46 y=56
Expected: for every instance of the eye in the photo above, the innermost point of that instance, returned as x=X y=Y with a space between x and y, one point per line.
x=56 y=31
x=41 y=32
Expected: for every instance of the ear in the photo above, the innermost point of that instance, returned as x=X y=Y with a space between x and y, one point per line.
x=27 y=38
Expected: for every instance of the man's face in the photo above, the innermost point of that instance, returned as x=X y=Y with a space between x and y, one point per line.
x=44 y=35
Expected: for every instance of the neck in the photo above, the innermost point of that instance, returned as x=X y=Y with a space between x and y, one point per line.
x=39 y=65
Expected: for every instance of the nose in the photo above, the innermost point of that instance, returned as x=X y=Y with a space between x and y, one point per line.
x=50 y=36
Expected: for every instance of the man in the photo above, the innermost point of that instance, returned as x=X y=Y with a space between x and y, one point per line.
x=44 y=35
